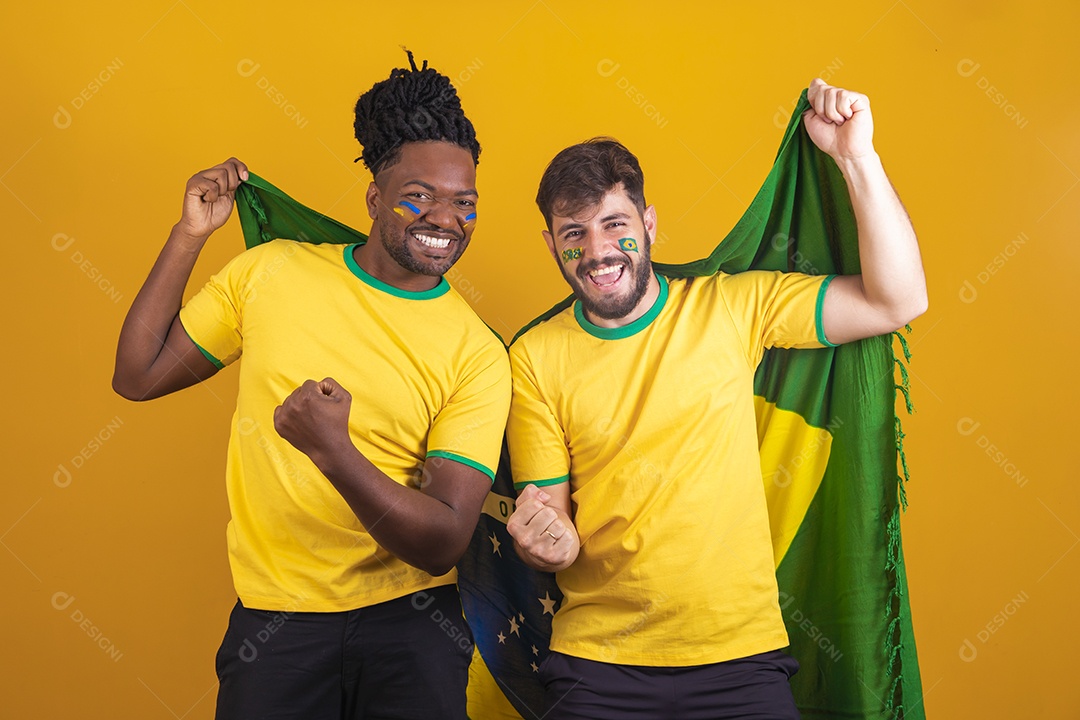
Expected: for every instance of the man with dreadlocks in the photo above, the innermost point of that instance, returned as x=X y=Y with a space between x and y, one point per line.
x=348 y=513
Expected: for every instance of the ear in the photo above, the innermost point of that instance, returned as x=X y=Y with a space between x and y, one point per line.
x=372 y=200
x=649 y=218
x=550 y=240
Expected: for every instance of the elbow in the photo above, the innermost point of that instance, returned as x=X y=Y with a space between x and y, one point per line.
x=439 y=563
x=918 y=307
x=437 y=566
x=127 y=389
x=438 y=569
x=923 y=306
x=124 y=389
x=914 y=307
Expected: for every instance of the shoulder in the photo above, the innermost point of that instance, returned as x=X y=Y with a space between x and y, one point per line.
x=750 y=285
x=765 y=278
x=478 y=336
x=735 y=282
x=557 y=327
x=691 y=293
x=272 y=253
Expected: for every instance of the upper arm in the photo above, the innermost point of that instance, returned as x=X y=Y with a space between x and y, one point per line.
x=465 y=442
x=469 y=428
x=205 y=336
x=560 y=498
x=460 y=487
x=180 y=364
x=538 y=450
x=777 y=309
x=847 y=316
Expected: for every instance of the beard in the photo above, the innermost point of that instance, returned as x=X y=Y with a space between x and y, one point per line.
x=613 y=308
x=396 y=242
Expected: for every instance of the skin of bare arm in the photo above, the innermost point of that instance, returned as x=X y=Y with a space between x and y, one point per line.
x=154 y=356
x=891 y=290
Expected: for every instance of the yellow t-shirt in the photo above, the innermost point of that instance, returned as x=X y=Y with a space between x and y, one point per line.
x=653 y=425
x=427 y=378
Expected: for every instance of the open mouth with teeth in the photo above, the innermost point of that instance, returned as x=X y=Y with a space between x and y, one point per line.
x=432 y=242
x=607 y=276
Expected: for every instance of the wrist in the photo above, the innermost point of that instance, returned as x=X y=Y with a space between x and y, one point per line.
x=185 y=239
x=860 y=165
x=332 y=458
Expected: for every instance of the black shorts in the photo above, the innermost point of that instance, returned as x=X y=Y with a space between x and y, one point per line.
x=406 y=658
x=751 y=687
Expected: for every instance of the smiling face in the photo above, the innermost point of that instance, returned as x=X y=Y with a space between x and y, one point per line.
x=604 y=254
x=424 y=208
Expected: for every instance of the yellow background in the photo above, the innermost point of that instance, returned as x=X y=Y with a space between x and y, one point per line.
x=118 y=510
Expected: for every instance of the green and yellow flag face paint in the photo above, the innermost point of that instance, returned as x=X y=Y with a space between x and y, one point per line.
x=628 y=244
x=572 y=254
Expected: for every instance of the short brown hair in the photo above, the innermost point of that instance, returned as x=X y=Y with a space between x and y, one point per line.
x=580 y=176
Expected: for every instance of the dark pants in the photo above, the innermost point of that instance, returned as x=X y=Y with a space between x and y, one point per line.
x=754 y=687
x=405 y=658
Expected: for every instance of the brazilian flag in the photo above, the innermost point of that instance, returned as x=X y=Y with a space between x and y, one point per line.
x=832 y=465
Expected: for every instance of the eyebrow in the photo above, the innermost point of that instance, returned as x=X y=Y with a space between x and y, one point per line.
x=567 y=227
x=431 y=188
x=577 y=226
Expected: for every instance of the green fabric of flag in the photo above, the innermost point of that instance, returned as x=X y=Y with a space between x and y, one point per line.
x=842 y=580
x=840 y=563
x=267 y=213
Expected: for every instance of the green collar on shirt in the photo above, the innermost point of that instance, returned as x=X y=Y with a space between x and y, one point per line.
x=439 y=290
x=629 y=329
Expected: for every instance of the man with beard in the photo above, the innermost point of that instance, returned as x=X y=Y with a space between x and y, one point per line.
x=348 y=513
x=633 y=437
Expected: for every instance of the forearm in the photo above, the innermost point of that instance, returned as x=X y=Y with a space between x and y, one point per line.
x=153 y=312
x=892 y=277
x=418 y=529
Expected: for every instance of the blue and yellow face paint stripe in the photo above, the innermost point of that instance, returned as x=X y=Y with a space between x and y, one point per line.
x=572 y=254
x=465 y=223
x=628 y=244
x=412 y=208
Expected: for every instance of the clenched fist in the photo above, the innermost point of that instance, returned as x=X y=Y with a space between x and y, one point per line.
x=542 y=530
x=208 y=199
x=839 y=121
x=315 y=419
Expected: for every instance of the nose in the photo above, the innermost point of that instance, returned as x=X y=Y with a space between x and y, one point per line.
x=443 y=214
x=597 y=246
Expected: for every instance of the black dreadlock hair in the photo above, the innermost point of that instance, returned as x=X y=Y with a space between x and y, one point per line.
x=411 y=106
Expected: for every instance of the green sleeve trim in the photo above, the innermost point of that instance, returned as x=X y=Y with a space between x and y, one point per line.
x=463 y=460
x=817 y=312
x=217 y=363
x=542 y=483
